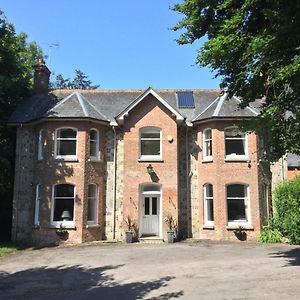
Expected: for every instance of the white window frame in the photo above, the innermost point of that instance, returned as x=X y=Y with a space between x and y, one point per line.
x=246 y=199
x=235 y=157
x=67 y=224
x=95 y=199
x=92 y=157
x=65 y=157
x=37 y=205
x=41 y=144
x=150 y=157
x=206 y=198
x=205 y=141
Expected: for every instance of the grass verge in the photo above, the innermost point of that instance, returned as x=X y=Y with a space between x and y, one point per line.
x=9 y=247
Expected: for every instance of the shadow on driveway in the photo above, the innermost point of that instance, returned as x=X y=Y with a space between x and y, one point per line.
x=292 y=256
x=77 y=282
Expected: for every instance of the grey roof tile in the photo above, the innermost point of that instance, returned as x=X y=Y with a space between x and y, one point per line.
x=105 y=105
x=293 y=160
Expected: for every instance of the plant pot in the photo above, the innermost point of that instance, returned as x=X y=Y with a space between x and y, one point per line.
x=242 y=236
x=63 y=235
x=128 y=237
x=171 y=237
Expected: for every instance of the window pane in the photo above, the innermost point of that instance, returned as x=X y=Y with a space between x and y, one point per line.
x=236 y=190
x=235 y=147
x=207 y=134
x=93 y=148
x=66 y=147
x=150 y=147
x=209 y=190
x=148 y=188
x=147 y=206
x=210 y=210
x=64 y=190
x=150 y=135
x=93 y=135
x=91 y=209
x=61 y=205
x=92 y=191
x=154 y=205
x=208 y=148
x=236 y=210
x=66 y=133
x=234 y=132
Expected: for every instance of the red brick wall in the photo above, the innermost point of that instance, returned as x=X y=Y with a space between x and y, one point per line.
x=220 y=173
x=80 y=173
x=293 y=172
x=150 y=113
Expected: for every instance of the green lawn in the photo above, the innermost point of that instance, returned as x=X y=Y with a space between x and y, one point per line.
x=6 y=248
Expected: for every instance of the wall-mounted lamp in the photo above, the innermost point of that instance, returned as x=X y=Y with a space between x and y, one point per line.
x=150 y=169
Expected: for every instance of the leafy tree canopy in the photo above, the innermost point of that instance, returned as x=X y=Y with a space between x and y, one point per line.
x=16 y=81
x=254 y=46
x=80 y=82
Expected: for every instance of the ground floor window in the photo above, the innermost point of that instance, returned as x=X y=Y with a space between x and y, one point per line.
x=37 y=205
x=63 y=204
x=237 y=203
x=208 y=205
x=92 y=204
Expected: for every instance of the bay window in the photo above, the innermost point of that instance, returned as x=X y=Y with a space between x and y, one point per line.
x=66 y=143
x=237 y=204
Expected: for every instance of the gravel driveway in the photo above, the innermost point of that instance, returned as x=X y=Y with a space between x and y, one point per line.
x=186 y=270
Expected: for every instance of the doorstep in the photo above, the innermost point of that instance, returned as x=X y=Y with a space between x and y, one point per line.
x=151 y=240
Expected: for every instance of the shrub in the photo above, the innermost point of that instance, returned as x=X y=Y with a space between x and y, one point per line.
x=287 y=209
x=270 y=235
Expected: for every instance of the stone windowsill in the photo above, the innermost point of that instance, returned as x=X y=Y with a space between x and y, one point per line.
x=207 y=160
x=208 y=227
x=237 y=159
x=150 y=160
x=237 y=227
x=66 y=227
x=94 y=160
x=92 y=226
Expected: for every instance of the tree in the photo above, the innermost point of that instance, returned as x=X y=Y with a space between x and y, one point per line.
x=16 y=81
x=254 y=46
x=80 y=82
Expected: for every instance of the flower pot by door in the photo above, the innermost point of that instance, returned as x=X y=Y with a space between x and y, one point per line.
x=170 y=237
x=128 y=237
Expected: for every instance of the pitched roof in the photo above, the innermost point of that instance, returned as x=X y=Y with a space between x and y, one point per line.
x=108 y=105
x=223 y=106
x=293 y=160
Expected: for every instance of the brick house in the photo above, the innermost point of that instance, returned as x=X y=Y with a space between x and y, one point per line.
x=89 y=159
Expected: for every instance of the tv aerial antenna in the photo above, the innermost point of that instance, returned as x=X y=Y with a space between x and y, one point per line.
x=51 y=46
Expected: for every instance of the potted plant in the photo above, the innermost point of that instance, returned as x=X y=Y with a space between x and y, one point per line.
x=62 y=232
x=240 y=233
x=172 y=226
x=130 y=230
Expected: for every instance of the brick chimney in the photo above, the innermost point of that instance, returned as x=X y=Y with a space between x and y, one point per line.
x=41 y=77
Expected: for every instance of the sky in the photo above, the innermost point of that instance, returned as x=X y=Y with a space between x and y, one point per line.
x=119 y=44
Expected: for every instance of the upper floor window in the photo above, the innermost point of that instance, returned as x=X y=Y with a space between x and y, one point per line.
x=92 y=204
x=207 y=144
x=150 y=143
x=235 y=143
x=94 y=144
x=41 y=144
x=63 y=204
x=237 y=204
x=208 y=205
x=37 y=205
x=66 y=143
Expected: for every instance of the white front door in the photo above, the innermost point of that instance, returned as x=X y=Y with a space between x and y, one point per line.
x=150 y=214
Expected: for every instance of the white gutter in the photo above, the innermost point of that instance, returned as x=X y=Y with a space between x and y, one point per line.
x=188 y=198
x=114 y=182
